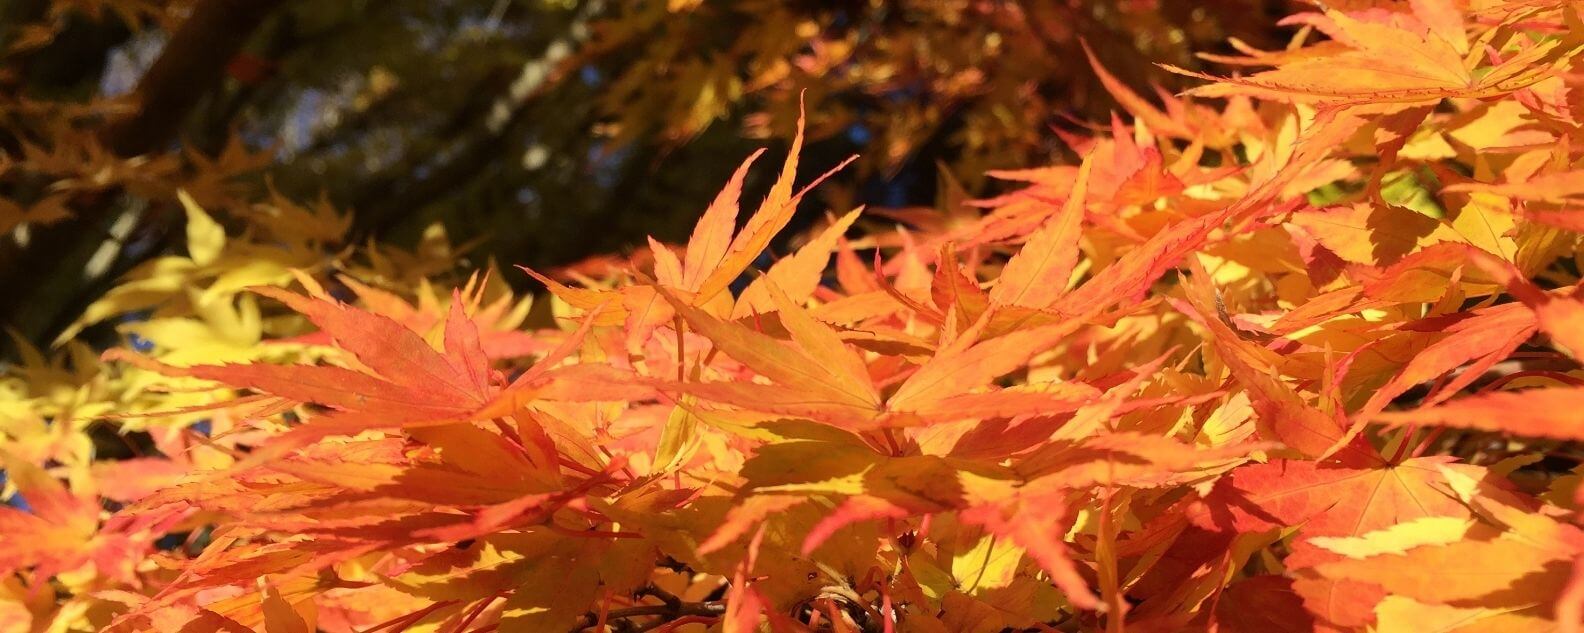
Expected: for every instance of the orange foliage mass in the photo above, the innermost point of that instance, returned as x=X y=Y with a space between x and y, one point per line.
x=1221 y=376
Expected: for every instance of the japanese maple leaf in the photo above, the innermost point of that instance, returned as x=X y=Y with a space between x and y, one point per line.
x=1262 y=604
x=1549 y=412
x=871 y=486
x=1483 y=338
x=1038 y=274
x=61 y=530
x=406 y=380
x=491 y=320
x=1508 y=558
x=53 y=533
x=1325 y=501
x=819 y=377
x=401 y=380
x=1370 y=61
x=714 y=257
x=1283 y=412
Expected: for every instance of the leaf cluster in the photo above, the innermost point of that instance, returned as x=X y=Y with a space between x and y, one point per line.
x=1286 y=352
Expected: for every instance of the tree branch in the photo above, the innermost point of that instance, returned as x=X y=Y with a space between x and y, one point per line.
x=384 y=200
x=673 y=608
x=191 y=65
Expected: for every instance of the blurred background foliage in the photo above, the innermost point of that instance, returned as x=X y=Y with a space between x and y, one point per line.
x=536 y=132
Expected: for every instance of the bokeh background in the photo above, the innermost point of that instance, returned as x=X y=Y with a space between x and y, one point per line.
x=535 y=132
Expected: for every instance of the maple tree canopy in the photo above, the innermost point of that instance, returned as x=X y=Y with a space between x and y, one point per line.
x=1297 y=348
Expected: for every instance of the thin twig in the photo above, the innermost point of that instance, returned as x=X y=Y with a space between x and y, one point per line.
x=673 y=608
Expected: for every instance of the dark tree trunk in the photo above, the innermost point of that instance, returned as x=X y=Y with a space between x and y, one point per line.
x=43 y=279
